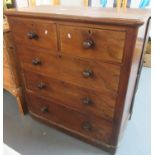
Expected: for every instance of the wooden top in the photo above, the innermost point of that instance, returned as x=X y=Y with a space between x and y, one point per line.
x=87 y=14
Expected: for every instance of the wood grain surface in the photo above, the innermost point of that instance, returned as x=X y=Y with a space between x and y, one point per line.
x=107 y=45
x=80 y=99
x=45 y=31
x=71 y=120
x=105 y=76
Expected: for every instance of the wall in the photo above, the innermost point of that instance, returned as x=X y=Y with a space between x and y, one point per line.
x=95 y=3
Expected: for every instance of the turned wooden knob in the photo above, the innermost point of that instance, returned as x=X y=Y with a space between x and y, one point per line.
x=32 y=35
x=88 y=44
x=87 y=73
x=86 y=126
x=87 y=101
x=44 y=109
x=36 y=61
x=41 y=85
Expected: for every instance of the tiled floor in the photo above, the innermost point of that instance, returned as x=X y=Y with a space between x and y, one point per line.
x=25 y=136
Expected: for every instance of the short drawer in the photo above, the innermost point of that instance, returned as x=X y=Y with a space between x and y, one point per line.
x=81 y=99
x=98 y=44
x=34 y=32
x=73 y=121
x=92 y=75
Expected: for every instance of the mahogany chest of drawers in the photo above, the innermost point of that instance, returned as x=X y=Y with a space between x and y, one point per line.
x=80 y=67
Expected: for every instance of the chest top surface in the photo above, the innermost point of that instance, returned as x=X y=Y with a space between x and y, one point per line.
x=87 y=14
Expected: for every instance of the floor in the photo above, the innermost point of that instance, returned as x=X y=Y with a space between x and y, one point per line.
x=25 y=136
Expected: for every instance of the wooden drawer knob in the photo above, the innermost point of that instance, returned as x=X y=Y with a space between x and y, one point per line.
x=32 y=35
x=87 y=101
x=88 y=44
x=41 y=85
x=44 y=109
x=87 y=73
x=86 y=126
x=36 y=61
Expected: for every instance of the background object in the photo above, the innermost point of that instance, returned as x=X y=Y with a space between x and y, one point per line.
x=22 y=3
x=103 y=3
x=9 y=4
x=144 y=3
x=147 y=57
x=10 y=77
x=32 y=2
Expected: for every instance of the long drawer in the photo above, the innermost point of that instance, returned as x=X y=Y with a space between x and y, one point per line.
x=93 y=128
x=93 y=75
x=96 y=44
x=81 y=99
x=34 y=32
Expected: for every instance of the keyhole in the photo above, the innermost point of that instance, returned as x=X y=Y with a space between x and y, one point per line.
x=89 y=32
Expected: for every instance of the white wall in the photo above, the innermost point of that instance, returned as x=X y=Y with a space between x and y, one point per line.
x=96 y=3
x=43 y=2
x=21 y=3
x=110 y=3
x=135 y=3
x=72 y=2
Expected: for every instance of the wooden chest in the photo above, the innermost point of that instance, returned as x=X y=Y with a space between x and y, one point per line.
x=10 y=78
x=80 y=67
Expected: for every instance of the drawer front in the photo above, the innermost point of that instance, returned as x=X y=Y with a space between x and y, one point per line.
x=93 y=75
x=91 y=43
x=71 y=120
x=39 y=33
x=80 y=99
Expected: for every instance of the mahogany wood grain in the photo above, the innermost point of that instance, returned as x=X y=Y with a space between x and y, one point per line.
x=72 y=96
x=132 y=66
x=105 y=76
x=106 y=44
x=45 y=31
x=143 y=42
x=71 y=120
x=94 y=142
x=124 y=77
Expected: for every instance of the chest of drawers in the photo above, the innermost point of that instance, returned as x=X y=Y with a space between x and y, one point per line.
x=80 y=67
